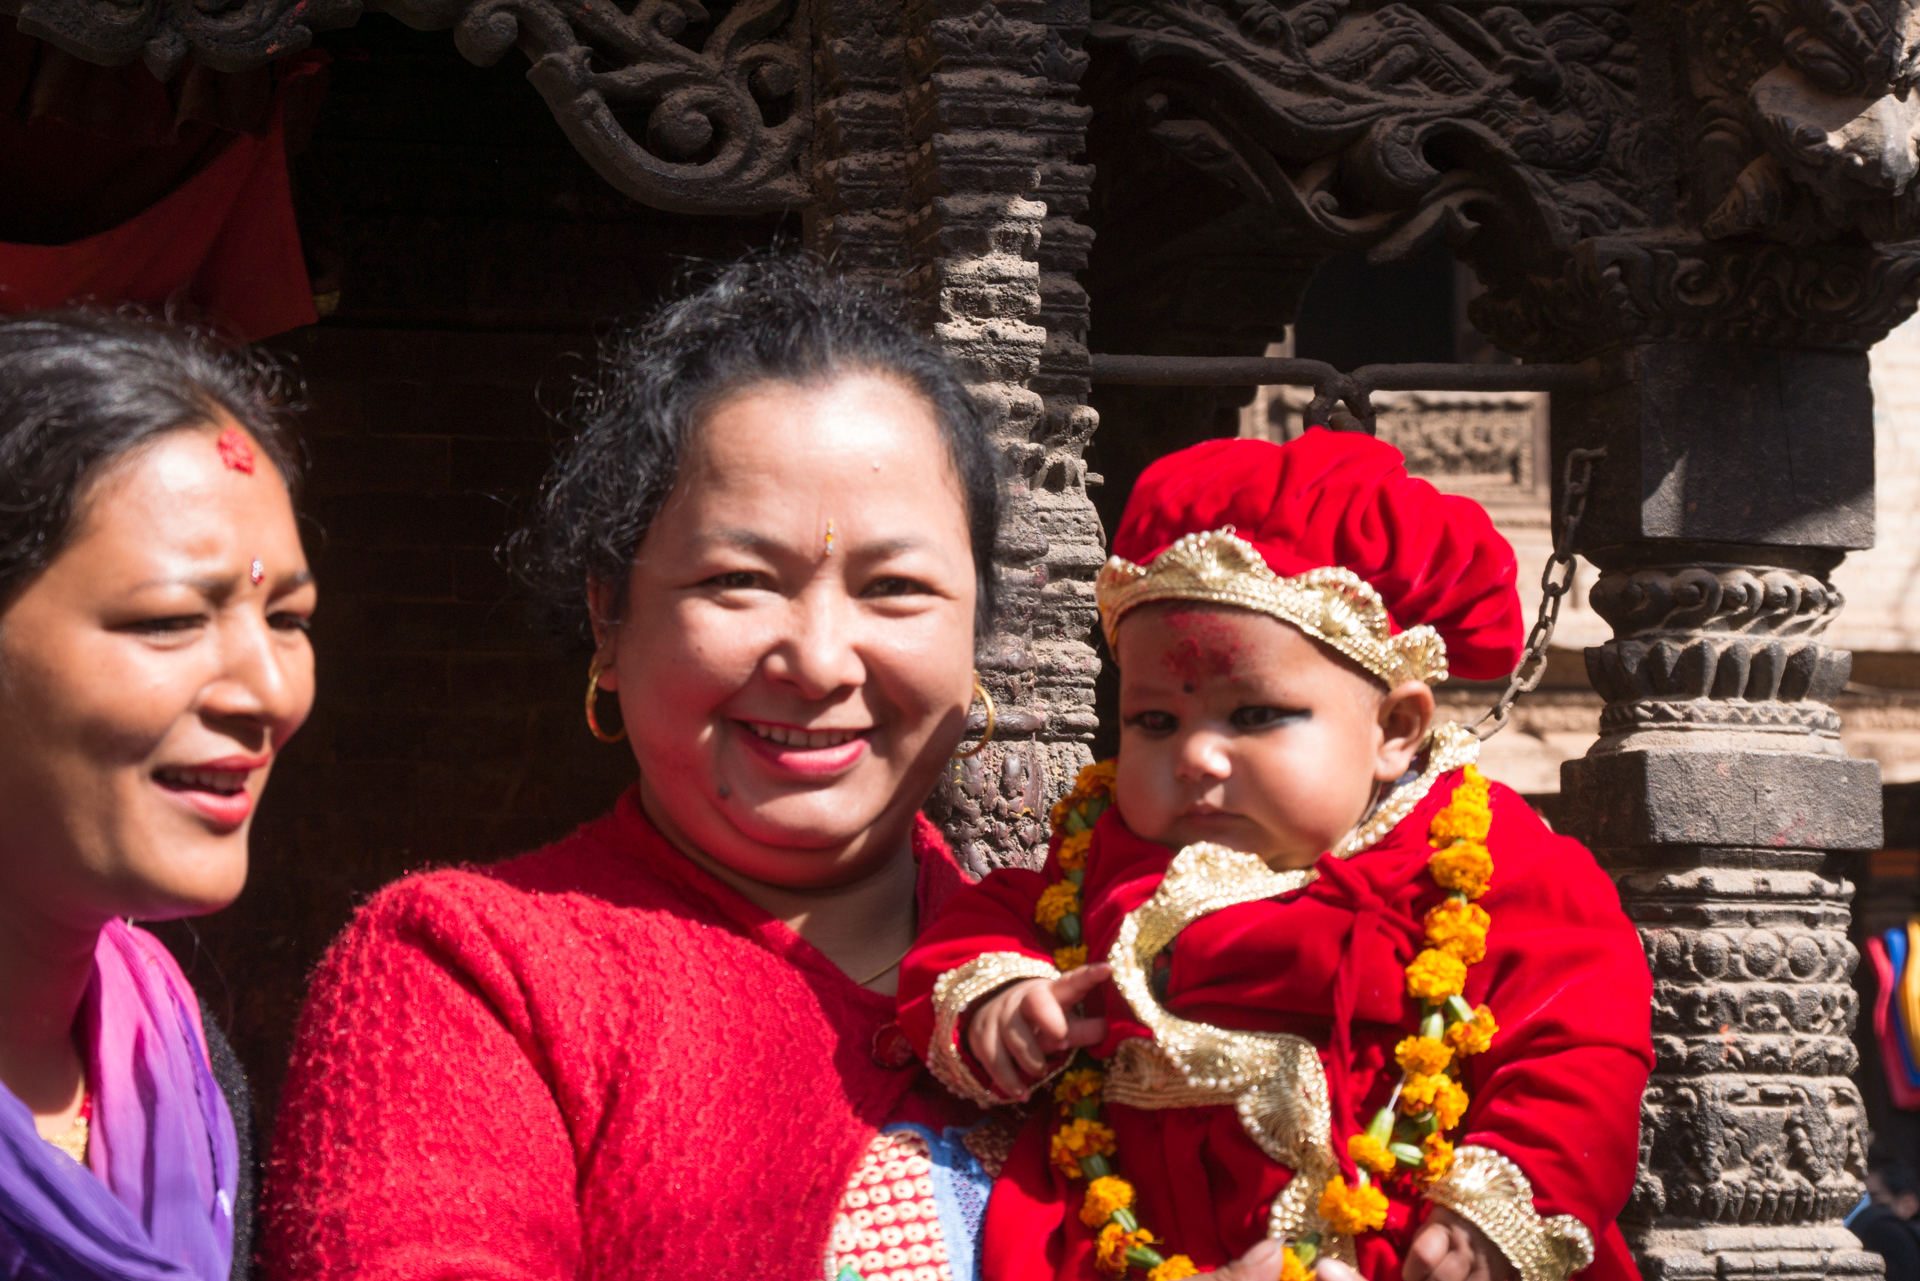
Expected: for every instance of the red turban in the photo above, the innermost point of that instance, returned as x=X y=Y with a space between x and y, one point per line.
x=1344 y=499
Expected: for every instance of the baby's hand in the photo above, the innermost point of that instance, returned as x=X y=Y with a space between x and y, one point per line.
x=1015 y=1030
x=1448 y=1248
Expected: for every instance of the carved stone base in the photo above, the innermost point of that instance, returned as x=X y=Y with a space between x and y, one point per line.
x=1753 y=1139
x=1776 y=1254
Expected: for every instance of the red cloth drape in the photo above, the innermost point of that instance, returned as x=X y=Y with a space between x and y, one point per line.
x=224 y=243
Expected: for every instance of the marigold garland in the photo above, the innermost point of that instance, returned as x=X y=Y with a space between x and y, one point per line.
x=1104 y=1196
x=1409 y=1134
x=1057 y=900
x=1352 y=1210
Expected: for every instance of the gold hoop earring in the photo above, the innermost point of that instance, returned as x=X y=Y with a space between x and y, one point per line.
x=980 y=691
x=593 y=696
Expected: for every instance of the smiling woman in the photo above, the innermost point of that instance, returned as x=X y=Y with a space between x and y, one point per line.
x=154 y=601
x=664 y=1047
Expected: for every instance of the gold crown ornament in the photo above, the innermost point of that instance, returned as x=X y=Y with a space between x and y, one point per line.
x=1333 y=605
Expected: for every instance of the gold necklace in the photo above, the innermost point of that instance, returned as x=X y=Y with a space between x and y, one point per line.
x=889 y=966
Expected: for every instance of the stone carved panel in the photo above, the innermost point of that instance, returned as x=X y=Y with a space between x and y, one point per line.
x=678 y=105
x=1750 y=1117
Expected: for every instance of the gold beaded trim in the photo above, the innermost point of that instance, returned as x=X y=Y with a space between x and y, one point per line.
x=1274 y=1081
x=959 y=988
x=1332 y=604
x=1489 y=1191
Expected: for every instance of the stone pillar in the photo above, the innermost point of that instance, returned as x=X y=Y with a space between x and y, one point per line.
x=949 y=158
x=1718 y=795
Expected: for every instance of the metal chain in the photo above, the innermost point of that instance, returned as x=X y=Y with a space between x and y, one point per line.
x=1556 y=580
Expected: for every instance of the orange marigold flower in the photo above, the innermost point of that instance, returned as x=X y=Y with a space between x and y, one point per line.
x=1466 y=867
x=1440 y=1094
x=1350 y=1211
x=1438 y=1158
x=1096 y=780
x=1416 y=1093
x=1434 y=976
x=1177 y=1268
x=1370 y=1153
x=1070 y=958
x=1073 y=851
x=1459 y=929
x=1474 y=1037
x=1078 y=1084
x=1058 y=814
x=1078 y=1138
x=1449 y=1102
x=1422 y=1055
x=1111 y=1249
x=1056 y=901
x=1468 y=815
x=1104 y=1196
x=1291 y=1269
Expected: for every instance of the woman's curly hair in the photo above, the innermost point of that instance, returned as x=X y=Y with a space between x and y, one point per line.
x=81 y=388
x=767 y=319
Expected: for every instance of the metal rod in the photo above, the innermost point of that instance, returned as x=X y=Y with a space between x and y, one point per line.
x=1267 y=371
x=1211 y=371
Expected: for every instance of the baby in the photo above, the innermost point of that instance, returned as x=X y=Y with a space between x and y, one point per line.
x=1350 y=995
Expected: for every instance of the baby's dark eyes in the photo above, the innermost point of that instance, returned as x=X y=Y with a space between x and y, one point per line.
x=1258 y=718
x=1154 y=722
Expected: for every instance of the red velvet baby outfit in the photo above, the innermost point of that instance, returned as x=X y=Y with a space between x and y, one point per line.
x=1558 y=1093
x=1281 y=1056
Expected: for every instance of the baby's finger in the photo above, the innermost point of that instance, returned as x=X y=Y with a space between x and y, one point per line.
x=1333 y=1270
x=1458 y=1262
x=1047 y=1017
x=1430 y=1246
x=1026 y=1051
x=987 y=1048
x=1084 y=1032
x=1261 y=1263
x=1073 y=987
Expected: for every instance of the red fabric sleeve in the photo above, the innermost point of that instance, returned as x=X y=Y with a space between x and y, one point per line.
x=418 y=1137
x=994 y=916
x=1567 y=980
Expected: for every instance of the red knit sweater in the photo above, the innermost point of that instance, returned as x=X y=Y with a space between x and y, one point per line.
x=592 y=1061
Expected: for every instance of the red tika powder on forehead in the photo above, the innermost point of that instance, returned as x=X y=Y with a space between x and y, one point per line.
x=235 y=452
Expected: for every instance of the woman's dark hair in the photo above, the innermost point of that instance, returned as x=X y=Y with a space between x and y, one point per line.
x=768 y=319
x=81 y=388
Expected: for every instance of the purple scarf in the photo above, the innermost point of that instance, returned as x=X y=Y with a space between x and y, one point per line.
x=157 y=1204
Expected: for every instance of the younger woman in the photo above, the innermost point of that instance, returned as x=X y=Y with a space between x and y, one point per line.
x=153 y=660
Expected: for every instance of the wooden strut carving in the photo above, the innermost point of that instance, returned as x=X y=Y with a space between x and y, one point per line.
x=1392 y=128
x=675 y=106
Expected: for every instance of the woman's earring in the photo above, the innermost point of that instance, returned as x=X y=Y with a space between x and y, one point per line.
x=979 y=692
x=593 y=697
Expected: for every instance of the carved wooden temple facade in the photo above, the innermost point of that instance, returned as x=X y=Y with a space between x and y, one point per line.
x=1693 y=211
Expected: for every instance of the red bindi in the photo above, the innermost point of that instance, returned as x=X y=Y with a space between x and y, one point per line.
x=235 y=452
x=1210 y=647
